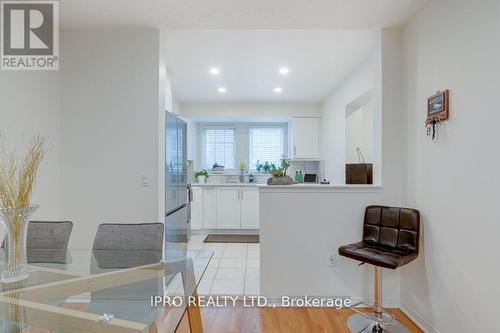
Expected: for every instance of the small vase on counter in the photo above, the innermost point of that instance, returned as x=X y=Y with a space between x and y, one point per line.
x=242 y=176
x=243 y=168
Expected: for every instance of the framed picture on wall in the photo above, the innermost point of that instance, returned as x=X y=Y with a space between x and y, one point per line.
x=437 y=106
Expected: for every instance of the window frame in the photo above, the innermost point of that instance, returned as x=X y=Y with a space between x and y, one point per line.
x=241 y=141
x=203 y=142
x=282 y=125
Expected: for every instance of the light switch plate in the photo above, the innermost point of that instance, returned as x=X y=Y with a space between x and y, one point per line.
x=144 y=181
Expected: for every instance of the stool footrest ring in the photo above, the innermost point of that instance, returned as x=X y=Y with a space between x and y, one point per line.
x=384 y=319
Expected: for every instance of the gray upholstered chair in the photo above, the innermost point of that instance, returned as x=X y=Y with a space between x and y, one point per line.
x=118 y=246
x=117 y=236
x=47 y=241
x=48 y=235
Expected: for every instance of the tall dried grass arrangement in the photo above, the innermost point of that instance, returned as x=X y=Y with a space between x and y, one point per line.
x=18 y=174
x=17 y=182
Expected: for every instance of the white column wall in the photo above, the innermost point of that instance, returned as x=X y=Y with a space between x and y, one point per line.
x=110 y=128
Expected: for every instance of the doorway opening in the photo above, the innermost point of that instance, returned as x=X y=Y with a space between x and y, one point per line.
x=359 y=140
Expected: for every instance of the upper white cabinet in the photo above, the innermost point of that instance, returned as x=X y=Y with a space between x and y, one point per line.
x=228 y=208
x=191 y=138
x=305 y=138
x=249 y=208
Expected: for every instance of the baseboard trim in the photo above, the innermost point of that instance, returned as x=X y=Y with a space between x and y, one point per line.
x=418 y=319
x=388 y=302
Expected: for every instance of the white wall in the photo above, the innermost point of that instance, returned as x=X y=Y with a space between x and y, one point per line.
x=176 y=106
x=453 y=286
x=359 y=133
x=298 y=230
x=110 y=128
x=333 y=126
x=30 y=104
x=251 y=111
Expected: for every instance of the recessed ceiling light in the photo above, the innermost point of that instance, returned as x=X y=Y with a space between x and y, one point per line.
x=214 y=71
x=222 y=90
x=278 y=90
x=284 y=70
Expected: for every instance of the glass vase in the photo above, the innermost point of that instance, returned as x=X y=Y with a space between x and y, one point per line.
x=14 y=316
x=15 y=225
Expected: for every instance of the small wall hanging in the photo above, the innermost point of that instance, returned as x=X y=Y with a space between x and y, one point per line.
x=437 y=111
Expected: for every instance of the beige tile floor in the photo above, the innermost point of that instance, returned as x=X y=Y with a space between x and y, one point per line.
x=233 y=270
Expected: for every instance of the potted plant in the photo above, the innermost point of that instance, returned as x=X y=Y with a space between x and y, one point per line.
x=201 y=176
x=267 y=167
x=279 y=176
x=258 y=166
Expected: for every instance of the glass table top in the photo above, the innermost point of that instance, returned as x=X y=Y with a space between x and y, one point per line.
x=104 y=291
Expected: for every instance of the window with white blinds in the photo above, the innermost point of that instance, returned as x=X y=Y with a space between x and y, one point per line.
x=266 y=145
x=218 y=147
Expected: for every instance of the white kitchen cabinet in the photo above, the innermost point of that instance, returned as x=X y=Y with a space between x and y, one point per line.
x=228 y=208
x=209 y=208
x=197 y=208
x=249 y=200
x=305 y=138
x=225 y=207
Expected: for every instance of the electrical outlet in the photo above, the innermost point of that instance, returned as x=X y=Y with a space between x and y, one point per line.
x=332 y=259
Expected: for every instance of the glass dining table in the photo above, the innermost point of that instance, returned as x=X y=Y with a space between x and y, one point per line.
x=116 y=291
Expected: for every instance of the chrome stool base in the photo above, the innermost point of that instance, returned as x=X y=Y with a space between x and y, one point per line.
x=359 y=323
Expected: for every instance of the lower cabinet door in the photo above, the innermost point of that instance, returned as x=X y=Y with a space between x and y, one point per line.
x=228 y=208
x=249 y=208
x=209 y=208
x=197 y=208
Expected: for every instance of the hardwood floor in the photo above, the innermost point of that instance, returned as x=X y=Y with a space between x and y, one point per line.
x=263 y=320
x=286 y=320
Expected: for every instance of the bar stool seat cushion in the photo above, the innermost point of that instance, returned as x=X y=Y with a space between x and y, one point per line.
x=390 y=237
x=378 y=256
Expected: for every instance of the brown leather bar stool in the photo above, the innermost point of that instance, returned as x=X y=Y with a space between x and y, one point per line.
x=390 y=240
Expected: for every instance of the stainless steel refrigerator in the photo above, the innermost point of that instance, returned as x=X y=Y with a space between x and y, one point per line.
x=177 y=190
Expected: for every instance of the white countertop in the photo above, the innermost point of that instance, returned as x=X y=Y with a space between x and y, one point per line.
x=306 y=187
x=320 y=188
x=229 y=184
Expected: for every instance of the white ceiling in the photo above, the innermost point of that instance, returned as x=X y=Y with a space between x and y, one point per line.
x=249 y=63
x=238 y=14
x=231 y=34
